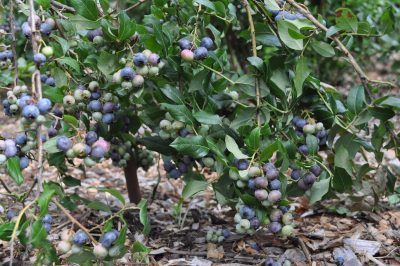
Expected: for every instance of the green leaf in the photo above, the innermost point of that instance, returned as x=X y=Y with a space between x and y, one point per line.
x=71 y=120
x=206 y=3
x=70 y=62
x=271 y=5
x=56 y=95
x=319 y=189
x=323 y=48
x=70 y=181
x=107 y=63
x=179 y=112
x=256 y=62
x=157 y=144
x=391 y=101
x=143 y=216
x=269 y=151
x=192 y=187
x=14 y=170
x=64 y=43
x=44 y=3
x=45 y=197
x=113 y=192
x=280 y=82
x=127 y=26
x=50 y=146
x=86 y=8
x=207 y=118
x=253 y=140
x=195 y=146
x=312 y=143
x=173 y=94
x=341 y=180
x=82 y=258
x=356 y=99
x=97 y=205
x=346 y=20
x=283 y=30
x=302 y=72
x=234 y=148
x=6 y=230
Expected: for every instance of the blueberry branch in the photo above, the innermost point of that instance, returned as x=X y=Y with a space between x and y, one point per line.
x=135 y=5
x=14 y=42
x=218 y=73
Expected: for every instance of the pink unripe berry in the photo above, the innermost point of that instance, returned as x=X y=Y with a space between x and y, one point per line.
x=187 y=55
x=103 y=143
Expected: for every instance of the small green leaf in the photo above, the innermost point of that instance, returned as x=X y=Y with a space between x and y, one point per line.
x=195 y=146
x=179 y=112
x=312 y=143
x=70 y=62
x=71 y=120
x=269 y=151
x=44 y=3
x=207 y=118
x=234 y=148
x=346 y=20
x=283 y=30
x=86 y=8
x=256 y=62
x=323 y=48
x=14 y=170
x=253 y=140
x=319 y=189
x=356 y=99
x=193 y=187
x=127 y=27
x=97 y=205
x=143 y=216
x=302 y=72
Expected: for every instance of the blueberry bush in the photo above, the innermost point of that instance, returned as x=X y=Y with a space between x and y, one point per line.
x=233 y=87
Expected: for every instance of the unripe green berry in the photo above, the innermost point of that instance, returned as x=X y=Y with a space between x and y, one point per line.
x=97 y=116
x=319 y=126
x=233 y=174
x=254 y=171
x=245 y=224
x=40 y=120
x=287 y=230
x=144 y=70
x=100 y=252
x=86 y=95
x=153 y=71
x=98 y=40
x=208 y=161
x=117 y=77
x=70 y=153
x=47 y=51
x=165 y=125
x=93 y=85
x=78 y=95
x=127 y=85
x=69 y=100
x=64 y=247
x=89 y=162
x=164 y=135
x=309 y=129
x=287 y=218
x=240 y=184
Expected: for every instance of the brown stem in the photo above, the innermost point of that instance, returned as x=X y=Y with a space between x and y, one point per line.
x=75 y=221
x=135 y=5
x=132 y=183
x=58 y=24
x=254 y=50
x=5 y=186
x=13 y=42
x=62 y=6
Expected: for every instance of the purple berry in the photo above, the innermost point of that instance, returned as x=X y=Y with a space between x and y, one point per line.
x=272 y=174
x=154 y=59
x=108 y=107
x=21 y=139
x=255 y=223
x=207 y=43
x=316 y=169
x=23 y=162
x=303 y=149
x=242 y=164
x=309 y=179
x=200 y=53
x=10 y=151
x=39 y=59
x=140 y=59
x=63 y=143
x=185 y=44
x=261 y=182
x=184 y=132
x=251 y=184
x=107 y=239
x=127 y=73
x=97 y=152
x=296 y=174
x=247 y=212
x=50 y=81
x=46 y=28
x=30 y=112
x=169 y=165
x=275 y=227
x=44 y=105
x=91 y=137
x=174 y=173
x=107 y=118
x=275 y=184
x=94 y=106
x=275 y=215
x=80 y=238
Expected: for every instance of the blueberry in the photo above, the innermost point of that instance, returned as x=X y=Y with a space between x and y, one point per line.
x=44 y=105
x=182 y=167
x=47 y=227
x=303 y=149
x=279 y=16
x=309 y=179
x=275 y=227
x=300 y=123
x=185 y=44
x=91 y=34
x=107 y=239
x=57 y=112
x=8 y=54
x=107 y=118
x=275 y=215
x=187 y=55
x=140 y=59
x=268 y=262
x=175 y=173
x=94 y=106
x=242 y=164
x=108 y=107
x=226 y=233
x=50 y=82
x=39 y=59
x=302 y=185
x=30 y=112
x=296 y=174
x=3 y=56
x=340 y=260
x=11 y=214
x=154 y=59
x=95 y=95
x=127 y=73
x=247 y=212
x=268 y=166
x=52 y=132
x=47 y=219
x=200 y=53
x=88 y=150
x=80 y=238
x=251 y=184
x=63 y=143
x=299 y=16
x=207 y=43
x=321 y=134
x=187 y=160
x=184 y=132
x=316 y=169
x=97 y=152
x=43 y=78
x=261 y=182
x=255 y=223
x=21 y=139
x=23 y=162
x=275 y=184
x=46 y=28
x=169 y=166
x=26 y=30
x=6 y=104
x=284 y=209
x=274 y=196
x=91 y=137
x=272 y=174
x=23 y=101
x=289 y=16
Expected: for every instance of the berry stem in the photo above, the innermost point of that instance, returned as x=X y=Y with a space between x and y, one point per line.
x=75 y=221
x=218 y=73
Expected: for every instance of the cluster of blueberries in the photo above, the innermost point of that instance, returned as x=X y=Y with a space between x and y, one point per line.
x=6 y=57
x=171 y=128
x=307 y=177
x=74 y=243
x=45 y=28
x=146 y=63
x=47 y=221
x=182 y=166
x=48 y=80
x=303 y=128
x=218 y=235
x=95 y=36
x=145 y=158
x=189 y=53
x=246 y=219
x=283 y=14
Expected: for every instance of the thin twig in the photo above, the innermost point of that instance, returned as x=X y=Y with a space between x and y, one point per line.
x=135 y=5
x=305 y=249
x=75 y=221
x=254 y=50
x=218 y=73
x=371 y=258
x=62 y=6
x=58 y=24
x=5 y=186
x=99 y=8
x=13 y=42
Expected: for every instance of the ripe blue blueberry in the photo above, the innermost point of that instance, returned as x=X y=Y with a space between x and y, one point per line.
x=26 y=30
x=140 y=59
x=289 y=16
x=80 y=238
x=185 y=44
x=50 y=81
x=47 y=227
x=154 y=59
x=247 y=212
x=44 y=105
x=97 y=152
x=46 y=28
x=91 y=137
x=108 y=107
x=175 y=173
x=3 y=56
x=43 y=78
x=275 y=227
x=300 y=123
x=226 y=233
x=200 y=53
x=251 y=184
x=39 y=59
x=107 y=239
x=95 y=95
x=242 y=164
x=169 y=165
x=275 y=184
x=340 y=260
x=272 y=174
x=91 y=34
x=275 y=215
x=184 y=132
x=47 y=219
x=303 y=149
x=255 y=223
x=30 y=112
x=296 y=174
x=182 y=167
x=11 y=214
x=51 y=131
x=107 y=118
x=309 y=179
x=127 y=73
x=321 y=134
x=302 y=185
x=268 y=166
x=207 y=43
x=316 y=169
x=23 y=101
x=284 y=209
x=94 y=106
x=63 y=143
x=23 y=162
x=21 y=138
